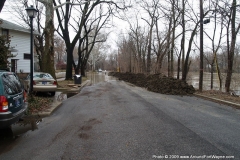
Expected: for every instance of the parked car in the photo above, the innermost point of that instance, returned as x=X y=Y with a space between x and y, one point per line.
x=12 y=99
x=42 y=82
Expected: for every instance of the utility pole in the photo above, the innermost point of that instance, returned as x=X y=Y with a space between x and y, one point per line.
x=201 y=48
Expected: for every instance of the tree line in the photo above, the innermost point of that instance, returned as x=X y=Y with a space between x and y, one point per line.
x=164 y=37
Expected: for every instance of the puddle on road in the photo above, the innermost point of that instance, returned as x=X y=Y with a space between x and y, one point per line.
x=94 y=78
x=97 y=77
x=61 y=96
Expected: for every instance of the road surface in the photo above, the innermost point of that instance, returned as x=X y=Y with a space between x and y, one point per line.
x=113 y=120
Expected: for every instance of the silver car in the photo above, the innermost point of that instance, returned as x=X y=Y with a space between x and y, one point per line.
x=42 y=82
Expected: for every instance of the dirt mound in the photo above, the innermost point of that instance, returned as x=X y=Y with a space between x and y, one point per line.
x=156 y=83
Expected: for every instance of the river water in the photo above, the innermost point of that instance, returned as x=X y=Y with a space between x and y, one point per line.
x=193 y=79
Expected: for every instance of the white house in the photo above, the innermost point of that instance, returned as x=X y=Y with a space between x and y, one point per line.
x=20 y=46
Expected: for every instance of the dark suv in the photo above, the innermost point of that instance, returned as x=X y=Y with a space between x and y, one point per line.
x=12 y=99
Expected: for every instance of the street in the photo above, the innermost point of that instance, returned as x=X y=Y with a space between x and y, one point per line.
x=116 y=120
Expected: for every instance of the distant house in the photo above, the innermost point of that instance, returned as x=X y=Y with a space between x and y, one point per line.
x=20 y=46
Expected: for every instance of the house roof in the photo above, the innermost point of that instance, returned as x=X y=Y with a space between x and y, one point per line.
x=11 y=26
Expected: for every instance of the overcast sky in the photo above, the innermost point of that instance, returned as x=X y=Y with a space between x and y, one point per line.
x=121 y=27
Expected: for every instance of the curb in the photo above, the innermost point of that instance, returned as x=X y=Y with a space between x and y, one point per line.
x=235 y=105
x=56 y=104
x=47 y=113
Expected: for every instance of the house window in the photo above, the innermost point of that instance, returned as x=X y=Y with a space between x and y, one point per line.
x=5 y=32
x=26 y=56
x=14 y=65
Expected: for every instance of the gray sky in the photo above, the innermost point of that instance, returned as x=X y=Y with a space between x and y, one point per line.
x=121 y=27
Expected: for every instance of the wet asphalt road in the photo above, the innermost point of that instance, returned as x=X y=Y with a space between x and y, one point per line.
x=114 y=120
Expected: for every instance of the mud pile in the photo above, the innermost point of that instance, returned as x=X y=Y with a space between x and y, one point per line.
x=156 y=83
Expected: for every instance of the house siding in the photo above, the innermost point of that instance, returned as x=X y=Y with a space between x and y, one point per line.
x=20 y=41
x=19 y=45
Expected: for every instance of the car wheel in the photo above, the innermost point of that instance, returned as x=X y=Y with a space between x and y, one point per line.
x=52 y=93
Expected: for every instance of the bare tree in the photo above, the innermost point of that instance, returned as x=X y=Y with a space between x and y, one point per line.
x=152 y=11
x=218 y=21
x=111 y=61
x=161 y=48
x=82 y=32
x=194 y=20
x=59 y=48
x=135 y=45
x=182 y=52
x=231 y=44
x=175 y=16
x=97 y=56
x=92 y=36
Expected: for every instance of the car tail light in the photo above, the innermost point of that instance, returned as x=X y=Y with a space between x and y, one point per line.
x=55 y=83
x=3 y=104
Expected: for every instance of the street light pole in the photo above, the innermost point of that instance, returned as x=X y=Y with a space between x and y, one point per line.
x=32 y=12
x=31 y=56
x=201 y=48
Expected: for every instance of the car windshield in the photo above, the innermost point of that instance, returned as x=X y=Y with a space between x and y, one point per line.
x=12 y=85
x=43 y=75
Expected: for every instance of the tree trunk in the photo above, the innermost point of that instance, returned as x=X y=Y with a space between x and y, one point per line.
x=168 y=46
x=218 y=72
x=83 y=74
x=173 y=39
x=232 y=48
x=38 y=44
x=149 y=49
x=186 y=64
x=178 y=69
x=201 y=48
x=70 y=46
x=65 y=31
x=215 y=61
x=212 y=71
x=48 y=56
x=183 y=36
